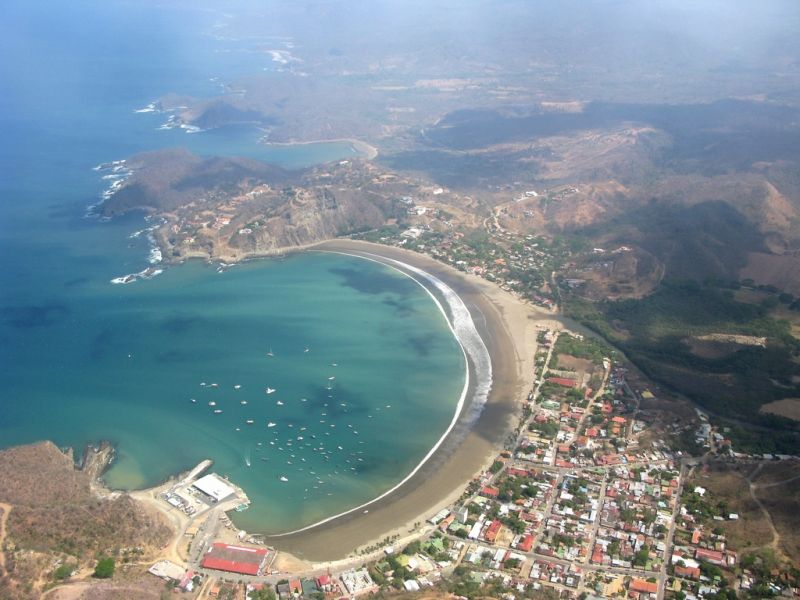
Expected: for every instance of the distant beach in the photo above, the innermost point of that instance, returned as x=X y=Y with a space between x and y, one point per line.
x=367 y=151
x=507 y=327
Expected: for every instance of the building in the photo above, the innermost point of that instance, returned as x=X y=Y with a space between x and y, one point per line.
x=713 y=556
x=489 y=492
x=357 y=582
x=167 y=570
x=235 y=559
x=213 y=486
x=563 y=381
x=462 y=514
x=644 y=587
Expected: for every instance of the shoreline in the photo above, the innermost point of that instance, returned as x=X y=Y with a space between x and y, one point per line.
x=506 y=326
x=365 y=150
x=477 y=365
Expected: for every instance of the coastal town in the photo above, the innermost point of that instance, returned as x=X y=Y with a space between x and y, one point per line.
x=597 y=493
x=587 y=501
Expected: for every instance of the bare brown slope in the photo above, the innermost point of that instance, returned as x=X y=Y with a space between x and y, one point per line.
x=55 y=514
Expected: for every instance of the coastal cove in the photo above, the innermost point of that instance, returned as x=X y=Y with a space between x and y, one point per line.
x=508 y=329
x=480 y=429
x=340 y=424
x=366 y=375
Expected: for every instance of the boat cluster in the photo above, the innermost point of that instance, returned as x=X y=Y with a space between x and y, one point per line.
x=319 y=451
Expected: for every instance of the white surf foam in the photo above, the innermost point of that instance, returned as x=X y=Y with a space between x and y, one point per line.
x=472 y=347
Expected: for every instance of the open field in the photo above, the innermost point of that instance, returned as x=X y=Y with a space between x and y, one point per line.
x=766 y=496
x=752 y=530
x=777 y=487
x=788 y=407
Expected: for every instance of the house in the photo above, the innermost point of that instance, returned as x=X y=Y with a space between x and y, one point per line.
x=715 y=557
x=643 y=587
x=563 y=382
x=526 y=543
x=489 y=492
x=492 y=531
x=687 y=572
x=697 y=535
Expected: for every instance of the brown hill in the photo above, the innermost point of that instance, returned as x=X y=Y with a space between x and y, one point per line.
x=56 y=516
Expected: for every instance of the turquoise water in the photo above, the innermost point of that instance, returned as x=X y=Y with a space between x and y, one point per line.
x=83 y=360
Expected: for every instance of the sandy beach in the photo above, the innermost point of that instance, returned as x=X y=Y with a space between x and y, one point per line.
x=508 y=328
x=365 y=150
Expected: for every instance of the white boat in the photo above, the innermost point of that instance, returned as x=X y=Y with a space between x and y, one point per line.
x=193 y=401
x=282 y=478
x=243 y=402
x=270 y=353
x=271 y=424
x=249 y=421
x=331 y=378
x=218 y=411
x=271 y=390
x=279 y=403
x=237 y=386
x=307 y=349
x=212 y=403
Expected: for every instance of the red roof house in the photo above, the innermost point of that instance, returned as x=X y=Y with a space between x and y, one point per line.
x=563 y=381
x=644 y=587
x=526 y=543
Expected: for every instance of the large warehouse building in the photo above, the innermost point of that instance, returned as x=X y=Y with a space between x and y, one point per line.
x=235 y=559
x=214 y=487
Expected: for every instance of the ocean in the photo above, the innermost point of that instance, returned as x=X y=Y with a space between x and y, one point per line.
x=365 y=371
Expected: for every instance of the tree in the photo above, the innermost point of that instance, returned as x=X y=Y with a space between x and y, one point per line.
x=64 y=571
x=265 y=593
x=104 y=568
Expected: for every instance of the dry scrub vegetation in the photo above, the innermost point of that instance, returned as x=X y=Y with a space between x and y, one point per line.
x=55 y=517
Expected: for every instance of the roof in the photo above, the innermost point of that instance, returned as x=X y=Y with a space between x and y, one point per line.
x=167 y=570
x=235 y=559
x=491 y=531
x=640 y=585
x=710 y=555
x=526 y=543
x=562 y=381
x=213 y=485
